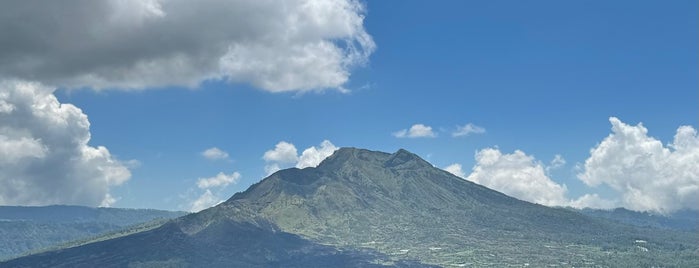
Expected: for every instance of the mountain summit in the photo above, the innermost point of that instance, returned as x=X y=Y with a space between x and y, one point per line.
x=356 y=189
x=368 y=208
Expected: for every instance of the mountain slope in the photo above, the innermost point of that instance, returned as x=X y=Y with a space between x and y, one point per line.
x=400 y=204
x=26 y=229
x=378 y=208
x=221 y=244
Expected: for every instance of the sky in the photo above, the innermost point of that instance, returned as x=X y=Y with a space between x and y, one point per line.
x=176 y=105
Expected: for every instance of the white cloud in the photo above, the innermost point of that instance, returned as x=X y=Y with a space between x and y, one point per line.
x=415 y=131
x=214 y=153
x=284 y=155
x=205 y=200
x=44 y=153
x=593 y=201
x=517 y=175
x=467 y=129
x=283 y=152
x=131 y=164
x=557 y=162
x=522 y=176
x=208 y=199
x=312 y=156
x=14 y=150
x=456 y=169
x=272 y=167
x=294 y=45
x=648 y=175
x=220 y=180
x=5 y=107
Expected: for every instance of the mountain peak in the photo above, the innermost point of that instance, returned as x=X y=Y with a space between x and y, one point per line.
x=347 y=151
x=401 y=159
x=405 y=159
x=347 y=155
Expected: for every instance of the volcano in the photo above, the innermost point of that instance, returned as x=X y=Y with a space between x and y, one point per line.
x=362 y=208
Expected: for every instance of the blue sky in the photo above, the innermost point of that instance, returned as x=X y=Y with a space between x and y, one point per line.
x=541 y=77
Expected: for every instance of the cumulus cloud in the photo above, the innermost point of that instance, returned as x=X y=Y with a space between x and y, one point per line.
x=45 y=157
x=649 y=175
x=283 y=152
x=214 y=153
x=312 y=156
x=456 y=169
x=518 y=175
x=593 y=201
x=295 y=45
x=205 y=200
x=522 y=176
x=272 y=167
x=415 y=131
x=208 y=198
x=220 y=180
x=467 y=129
x=285 y=155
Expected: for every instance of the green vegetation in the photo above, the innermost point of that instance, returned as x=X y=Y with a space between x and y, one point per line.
x=402 y=206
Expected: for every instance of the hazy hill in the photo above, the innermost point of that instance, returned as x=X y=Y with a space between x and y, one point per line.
x=362 y=208
x=686 y=220
x=27 y=229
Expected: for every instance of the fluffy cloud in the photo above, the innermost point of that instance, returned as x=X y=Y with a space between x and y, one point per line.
x=456 y=170
x=467 y=129
x=272 y=167
x=517 y=175
x=648 y=175
x=284 y=155
x=45 y=157
x=312 y=156
x=415 y=131
x=220 y=180
x=214 y=153
x=593 y=201
x=521 y=176
x=283 y=152
x=208 y=198
x=295 y=45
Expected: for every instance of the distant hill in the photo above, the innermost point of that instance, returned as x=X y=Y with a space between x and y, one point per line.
x=362 y=208
x=686 y=220
x=29 y=229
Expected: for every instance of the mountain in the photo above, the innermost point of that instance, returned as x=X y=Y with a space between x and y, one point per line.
x=367 y=208
x=29 y=229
